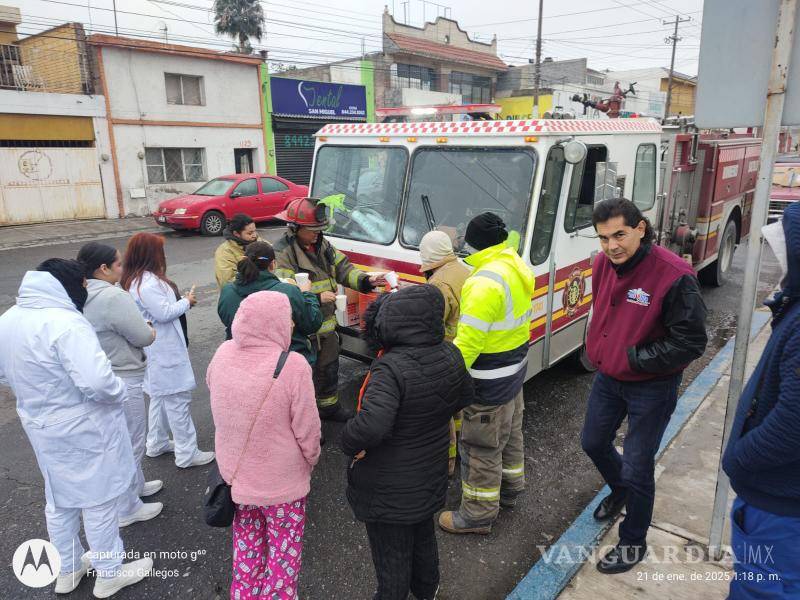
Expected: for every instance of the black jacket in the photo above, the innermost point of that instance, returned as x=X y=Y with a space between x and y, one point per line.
x=414 y=389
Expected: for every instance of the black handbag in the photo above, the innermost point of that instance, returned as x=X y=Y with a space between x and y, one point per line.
x=218 y=505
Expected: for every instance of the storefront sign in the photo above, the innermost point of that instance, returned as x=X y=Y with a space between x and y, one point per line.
x=317 y=99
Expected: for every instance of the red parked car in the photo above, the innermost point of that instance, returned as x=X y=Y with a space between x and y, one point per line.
x=260 y=196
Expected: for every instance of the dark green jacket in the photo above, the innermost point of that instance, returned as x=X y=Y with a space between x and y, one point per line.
x=306 y=313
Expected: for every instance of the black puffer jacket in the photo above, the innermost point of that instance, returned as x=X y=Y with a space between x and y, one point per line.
x=414 y=390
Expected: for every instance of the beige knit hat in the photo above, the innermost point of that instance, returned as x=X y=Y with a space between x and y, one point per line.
x=435 y=249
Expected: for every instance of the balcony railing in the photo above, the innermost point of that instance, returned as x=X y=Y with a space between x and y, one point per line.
x=31 y=69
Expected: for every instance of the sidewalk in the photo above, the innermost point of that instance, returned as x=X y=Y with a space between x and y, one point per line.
x=46 y=234
x=676 y=567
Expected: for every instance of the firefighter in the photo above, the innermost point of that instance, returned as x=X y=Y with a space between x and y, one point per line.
x=442 y=270
x=303 y=249
x=493 y=334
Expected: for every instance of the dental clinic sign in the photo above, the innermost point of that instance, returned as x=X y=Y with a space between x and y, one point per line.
x=316 y=99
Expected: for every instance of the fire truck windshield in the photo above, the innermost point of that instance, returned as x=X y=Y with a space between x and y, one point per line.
x=449 y=186
x=371 y=179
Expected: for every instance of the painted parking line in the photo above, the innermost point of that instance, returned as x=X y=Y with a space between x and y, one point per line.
x=547 y=579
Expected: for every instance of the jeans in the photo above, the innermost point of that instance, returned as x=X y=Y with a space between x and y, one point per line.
x=406 y=557
x=767 y=554
x=648 y=406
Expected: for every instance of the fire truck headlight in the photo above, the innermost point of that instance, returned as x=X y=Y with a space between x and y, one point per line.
x=574 y=151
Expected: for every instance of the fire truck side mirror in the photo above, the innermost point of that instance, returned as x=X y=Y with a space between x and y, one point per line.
x=574 y=151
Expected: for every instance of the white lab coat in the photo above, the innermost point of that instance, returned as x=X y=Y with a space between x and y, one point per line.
x=169 y=370
x=68 y=399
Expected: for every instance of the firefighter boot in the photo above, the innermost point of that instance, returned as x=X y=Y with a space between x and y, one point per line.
x=451 y=521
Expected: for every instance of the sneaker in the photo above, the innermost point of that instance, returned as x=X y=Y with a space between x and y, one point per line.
x=67 y=582
x=148 y=511
x=170 y=447
x=129 y=573
x=200 y=458
x=151 y=487
x=451 y=521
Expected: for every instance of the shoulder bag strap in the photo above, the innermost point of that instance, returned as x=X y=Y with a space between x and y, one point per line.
x=278 y=369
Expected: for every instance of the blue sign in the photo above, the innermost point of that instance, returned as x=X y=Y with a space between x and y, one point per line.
x=318 y=99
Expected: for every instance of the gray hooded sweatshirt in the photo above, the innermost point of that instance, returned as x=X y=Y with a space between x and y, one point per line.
x=119 y=325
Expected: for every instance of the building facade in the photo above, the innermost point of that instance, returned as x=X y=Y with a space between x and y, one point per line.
x=55 y=153
x=434 y=64
x=295 y=111
x=655 y=81
x=177 y=116
x=563 y=79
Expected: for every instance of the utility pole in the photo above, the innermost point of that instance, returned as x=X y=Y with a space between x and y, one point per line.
x=116 y=29
x=538 y=68
x=673 y=39
x=773 y=114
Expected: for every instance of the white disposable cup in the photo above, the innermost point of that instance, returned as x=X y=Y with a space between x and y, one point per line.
x=391 y=279
x=341 y=302
x=301 y=278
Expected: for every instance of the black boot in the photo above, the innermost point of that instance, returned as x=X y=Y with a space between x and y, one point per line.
x=337 y=413
x=621 y=558
x=611 y=506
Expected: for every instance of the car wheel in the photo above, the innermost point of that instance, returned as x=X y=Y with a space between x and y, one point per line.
x=581 y=361
x=212 y=223
x=715 y=274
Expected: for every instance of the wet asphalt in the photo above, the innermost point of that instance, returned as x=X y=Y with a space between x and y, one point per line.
x=193 y=560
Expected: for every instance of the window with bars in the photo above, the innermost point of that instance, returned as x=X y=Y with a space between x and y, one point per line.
x=473 y=89
x=184 y=89
x=174 y=165
x=413 y=76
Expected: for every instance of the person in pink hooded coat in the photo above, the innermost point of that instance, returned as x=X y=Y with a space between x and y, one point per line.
x=275 y=462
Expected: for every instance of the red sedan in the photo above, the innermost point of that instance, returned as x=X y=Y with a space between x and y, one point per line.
x=208 y=209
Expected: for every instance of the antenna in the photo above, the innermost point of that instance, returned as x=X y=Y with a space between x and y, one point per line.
x=162 y=26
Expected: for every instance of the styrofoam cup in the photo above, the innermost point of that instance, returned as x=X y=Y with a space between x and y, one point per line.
x=341 y=302
x=301 y=278
x=391 y=279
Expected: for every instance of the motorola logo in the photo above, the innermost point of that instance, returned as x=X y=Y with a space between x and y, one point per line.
x=36 y=563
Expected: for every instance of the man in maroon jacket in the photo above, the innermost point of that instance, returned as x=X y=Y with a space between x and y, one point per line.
x=648 y=324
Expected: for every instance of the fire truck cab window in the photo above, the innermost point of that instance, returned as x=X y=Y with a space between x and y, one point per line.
x=450 y=186
x=580 y=201
x=548 y=205
x=644 y=177
x=371 y=180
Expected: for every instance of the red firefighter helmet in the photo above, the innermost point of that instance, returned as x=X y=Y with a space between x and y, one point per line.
x=305 y=212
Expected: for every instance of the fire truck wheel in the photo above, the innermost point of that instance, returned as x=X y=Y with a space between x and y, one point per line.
x=716 y=273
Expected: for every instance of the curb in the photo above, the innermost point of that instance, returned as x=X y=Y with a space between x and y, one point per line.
x=545 y=581
x=68 y=239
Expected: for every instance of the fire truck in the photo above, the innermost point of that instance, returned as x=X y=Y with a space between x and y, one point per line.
x=543 y=177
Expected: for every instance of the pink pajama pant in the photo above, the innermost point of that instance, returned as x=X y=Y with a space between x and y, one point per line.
x=267 y=550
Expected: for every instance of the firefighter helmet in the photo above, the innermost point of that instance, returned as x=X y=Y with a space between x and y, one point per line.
x=305 y=212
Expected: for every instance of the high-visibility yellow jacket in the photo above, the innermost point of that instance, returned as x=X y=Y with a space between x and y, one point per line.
x=494 y=327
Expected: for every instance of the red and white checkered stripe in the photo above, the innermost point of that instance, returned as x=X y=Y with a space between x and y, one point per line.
x=528 y=126
x=731 y=154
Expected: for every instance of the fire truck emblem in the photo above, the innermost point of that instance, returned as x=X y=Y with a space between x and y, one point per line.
x=574 y=292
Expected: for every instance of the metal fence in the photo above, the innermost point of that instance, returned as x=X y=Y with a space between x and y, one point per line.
x=46 y=67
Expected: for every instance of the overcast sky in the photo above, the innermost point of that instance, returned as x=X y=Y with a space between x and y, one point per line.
x=613 y=34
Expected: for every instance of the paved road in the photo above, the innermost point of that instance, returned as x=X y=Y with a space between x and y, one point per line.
x=336 y=565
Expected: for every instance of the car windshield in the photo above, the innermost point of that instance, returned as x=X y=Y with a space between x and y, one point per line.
x=450 y=186
x=371 y=180
x=215 y=187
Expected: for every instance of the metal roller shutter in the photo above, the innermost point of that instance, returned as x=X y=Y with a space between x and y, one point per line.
x=294 y=147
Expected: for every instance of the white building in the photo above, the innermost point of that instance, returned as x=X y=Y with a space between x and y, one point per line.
x=177 y=116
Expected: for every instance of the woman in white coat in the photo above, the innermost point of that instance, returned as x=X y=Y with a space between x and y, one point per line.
x=123 y=334
x=169 y=379
x=70 y=405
